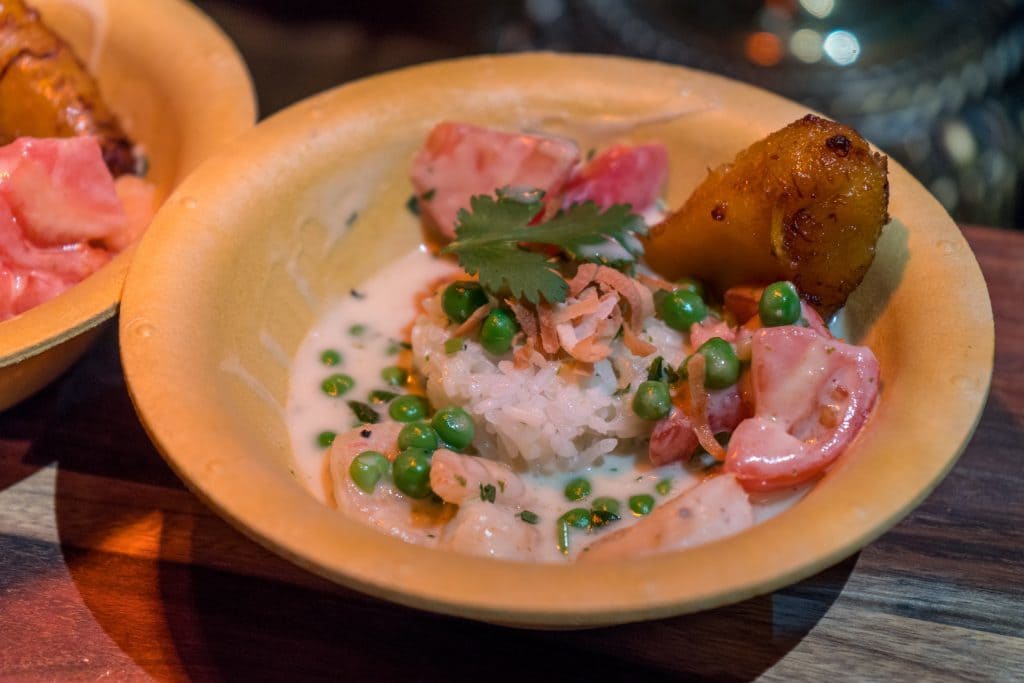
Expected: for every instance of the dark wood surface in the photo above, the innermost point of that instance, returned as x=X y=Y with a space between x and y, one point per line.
x=109 y=568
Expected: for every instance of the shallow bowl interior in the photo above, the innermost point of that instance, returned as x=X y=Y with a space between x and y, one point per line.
x=180 y=89
x=257 y=243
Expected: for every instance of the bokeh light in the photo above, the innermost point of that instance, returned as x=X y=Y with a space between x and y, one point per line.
x=764 y=48
x=818 y=8
x=842 y=47
x=805 y=44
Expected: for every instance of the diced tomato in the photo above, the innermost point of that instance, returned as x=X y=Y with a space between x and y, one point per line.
x=60 y=190
x=460 y=160
x=621 y=175
x=673 y=437
x=812 y=394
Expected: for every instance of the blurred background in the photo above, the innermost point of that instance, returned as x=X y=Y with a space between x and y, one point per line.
x=938 y=84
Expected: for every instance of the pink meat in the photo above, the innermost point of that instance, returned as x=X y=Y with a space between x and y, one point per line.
x=812 y=394
x=460 y=160
x=621 y=175
x=60 y=190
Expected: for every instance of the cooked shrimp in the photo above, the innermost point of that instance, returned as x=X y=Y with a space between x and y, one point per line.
x=462 y=478
x=714 y=509
x=387 y=508
x=491 y=530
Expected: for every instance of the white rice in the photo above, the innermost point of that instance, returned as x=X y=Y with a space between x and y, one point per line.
x=537 y=416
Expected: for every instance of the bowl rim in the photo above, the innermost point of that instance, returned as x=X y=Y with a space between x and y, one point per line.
x=374 y=563
x=95 y=300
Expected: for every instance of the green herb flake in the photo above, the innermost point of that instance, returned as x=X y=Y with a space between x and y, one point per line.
x=663 y=487
x=357 y=330
x=364 y=413
x=461 y=479
x=529 y=517
x=489 y=239
x=488 y=493
x=600 y=518
x=413 y=205
x=591 y=152
x=429 y=194
x=453 y=345
x=379 y=396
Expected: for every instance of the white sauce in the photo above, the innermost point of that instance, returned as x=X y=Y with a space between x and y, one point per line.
x=385 y=306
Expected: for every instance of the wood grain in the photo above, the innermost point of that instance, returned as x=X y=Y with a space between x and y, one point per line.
x=110 y=568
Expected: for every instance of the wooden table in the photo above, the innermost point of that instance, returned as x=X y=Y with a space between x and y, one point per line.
x=110 y=568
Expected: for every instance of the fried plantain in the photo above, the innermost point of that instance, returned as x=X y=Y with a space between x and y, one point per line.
x=45 y=91
x=807 y=203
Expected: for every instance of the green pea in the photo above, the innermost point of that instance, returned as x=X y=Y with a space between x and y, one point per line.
x=605 y=504
x=577 y=517
x=577 y=489
x=652 y=400
x=337 y=385
x=688 y=284
x=417 y=435
x=394 y=375
x=779 y=305
x=330 y=357
x=454 y=426
x=663 y=487
x=460 y=299
x=641 y=504
x=498 y=330
x=367 y=469
x=408 y=408
x=325 y=439
x=721 y=366
x=682 y=308
x=411 y=472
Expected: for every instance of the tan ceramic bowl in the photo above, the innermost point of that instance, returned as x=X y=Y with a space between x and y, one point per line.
x=180 y=89
x=254 y=246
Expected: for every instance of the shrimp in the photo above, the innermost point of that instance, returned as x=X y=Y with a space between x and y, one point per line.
x=387 y=508
x=491 y=530
x=461 y=478
x=812 y=394
x=715 y=508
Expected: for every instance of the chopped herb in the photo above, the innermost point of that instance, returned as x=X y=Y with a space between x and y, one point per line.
x=364 y=412
x=489 y=241
x=623 y=391
x=501 y=485
x=431 y=535
x=663 y=486
x=393 y=348
x=660 y=371
x=599 y=518
x=356 y=294
x=590 y=153
x=357 y=330
x=529 y=517
x=488 y=493
x=453 y=345
x=428 y=195
x=461 y=479
x=562 y=536
x=413 y=205
x=351 y=218
x=380 y=396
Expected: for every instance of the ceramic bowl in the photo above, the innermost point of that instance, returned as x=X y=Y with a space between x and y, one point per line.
x=180 y=89
x=255 y=245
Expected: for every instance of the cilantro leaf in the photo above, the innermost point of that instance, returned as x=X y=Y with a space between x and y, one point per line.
x=491 y=235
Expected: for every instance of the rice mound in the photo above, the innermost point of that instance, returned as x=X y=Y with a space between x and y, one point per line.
x=542 y=418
